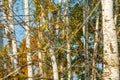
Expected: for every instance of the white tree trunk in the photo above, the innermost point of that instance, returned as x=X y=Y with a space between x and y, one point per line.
x=13 y=36
x=40 y=36
x=69 y=62
x=110 y=49
x=54 y=65
x=68 y=42
x=57 y=33
x=5 y=17
x=53 y=59
x=40 y=56
x=29 y=55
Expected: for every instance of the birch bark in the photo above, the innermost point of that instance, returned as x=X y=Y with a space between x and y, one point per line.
x=27 y=27
x=40 y=36
x=57 y=33
x=53 y=58
x=110 y=49
x=54 y=65
x=68 y=42
x=13 y=36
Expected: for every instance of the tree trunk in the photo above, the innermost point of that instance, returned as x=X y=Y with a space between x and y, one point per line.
x=5 y=17
x=40 y=57
x=53 y=58
x=57 y=34
x=95 y=49
x=7 y=33
x=40 y=36
x=110 y=49
x=69 y=62
x=85 y=34
x=1 y=38
x=54 y=65
x=68 y=42
x=29 y=55
x=13 y=36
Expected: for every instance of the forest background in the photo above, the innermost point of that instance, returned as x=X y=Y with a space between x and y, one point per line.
x=59 y=39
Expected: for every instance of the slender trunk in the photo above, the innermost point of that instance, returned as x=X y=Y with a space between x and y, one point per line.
x=1 y=38
x=40 y=21
x=5 y=17
x=85 y=34
x=68 y=42
x=95 y=49
x=7 y=33
x=40 y=57
x=69 y=62
x=13 y=36
x=54 y=65
x=40 y=36
x=29 y=55
x=53 y=58
x=110 y=49
x=57 y=33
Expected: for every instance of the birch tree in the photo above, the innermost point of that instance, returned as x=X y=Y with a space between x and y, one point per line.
x=57 y=33
x=27 y=27
x=6 y=27
x=53 y=58
x=6 y=31
x=95 y=49
x=13 y=36
x=85 y=34
x=1 y=38
x=68 y=39
x=40 y=36
x=110 y=49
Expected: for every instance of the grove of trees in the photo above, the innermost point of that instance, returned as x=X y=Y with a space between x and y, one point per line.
x=59 y=39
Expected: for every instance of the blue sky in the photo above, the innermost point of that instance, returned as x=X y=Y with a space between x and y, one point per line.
x=19 y=10
x=19 y=16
